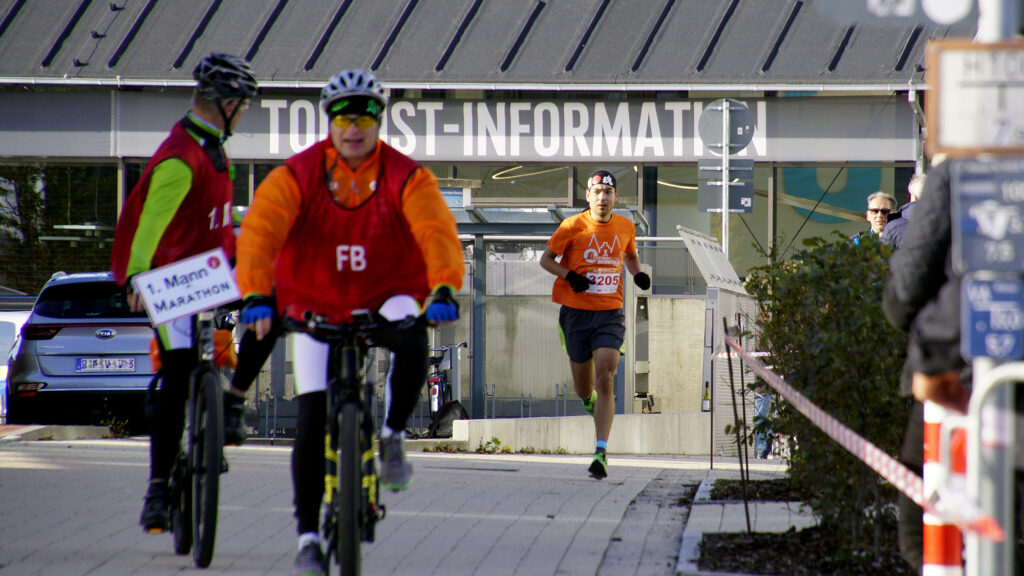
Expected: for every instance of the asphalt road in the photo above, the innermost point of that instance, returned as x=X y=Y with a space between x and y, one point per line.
x=71 y=508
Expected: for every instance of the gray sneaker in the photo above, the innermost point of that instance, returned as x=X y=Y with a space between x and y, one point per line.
x=309 y=561
x=395 y=472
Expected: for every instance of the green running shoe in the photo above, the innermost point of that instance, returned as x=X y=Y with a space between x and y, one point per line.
x=590 y=402
x=599 y=467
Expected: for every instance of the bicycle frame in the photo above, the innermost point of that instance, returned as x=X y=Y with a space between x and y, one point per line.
x=353 y=510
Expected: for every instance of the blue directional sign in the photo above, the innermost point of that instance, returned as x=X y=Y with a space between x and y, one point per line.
x=988 y=215
x=992 y=318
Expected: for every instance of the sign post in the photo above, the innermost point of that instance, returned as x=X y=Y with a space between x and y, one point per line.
x=988 y=250
x=726 y=127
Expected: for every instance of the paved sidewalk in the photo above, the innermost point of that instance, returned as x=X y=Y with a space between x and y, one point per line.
x=71 y=507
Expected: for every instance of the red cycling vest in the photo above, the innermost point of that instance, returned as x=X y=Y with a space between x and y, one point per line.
x=337 y=259
x=203 y=220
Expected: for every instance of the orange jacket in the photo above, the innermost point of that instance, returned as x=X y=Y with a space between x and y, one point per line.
x=276 y=206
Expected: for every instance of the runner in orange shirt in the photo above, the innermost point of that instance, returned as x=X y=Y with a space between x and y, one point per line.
x=593 y=246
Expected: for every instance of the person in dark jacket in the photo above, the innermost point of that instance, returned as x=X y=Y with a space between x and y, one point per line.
x=898 y=220
x=922 y=296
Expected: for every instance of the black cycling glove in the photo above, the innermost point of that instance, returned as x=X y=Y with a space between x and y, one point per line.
x=642 y=280
x=578 y=283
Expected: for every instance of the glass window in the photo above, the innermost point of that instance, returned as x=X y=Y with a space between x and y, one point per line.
x=241 y=184
x=817 y=199
x=512 y=184
x=676 y=195
x=55 y=216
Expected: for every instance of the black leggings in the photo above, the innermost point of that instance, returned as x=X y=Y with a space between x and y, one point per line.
x=168 y=420
x=252 y=355
x=408 y=374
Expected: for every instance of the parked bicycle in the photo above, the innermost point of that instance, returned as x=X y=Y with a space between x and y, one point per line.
x=195 y=476
x=441 y=390
x=352 y=510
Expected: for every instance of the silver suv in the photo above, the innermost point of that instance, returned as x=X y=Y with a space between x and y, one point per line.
x=82 y=357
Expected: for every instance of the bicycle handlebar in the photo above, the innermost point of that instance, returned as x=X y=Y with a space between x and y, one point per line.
x=446 y=347
x=364 y=325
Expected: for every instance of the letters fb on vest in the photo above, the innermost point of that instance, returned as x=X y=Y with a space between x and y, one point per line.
x=209 y=202
x=338 y=259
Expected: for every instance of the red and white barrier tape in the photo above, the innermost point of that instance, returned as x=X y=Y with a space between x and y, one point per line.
x=886 y=466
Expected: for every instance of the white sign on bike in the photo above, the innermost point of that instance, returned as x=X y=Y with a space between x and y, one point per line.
x=187 y=287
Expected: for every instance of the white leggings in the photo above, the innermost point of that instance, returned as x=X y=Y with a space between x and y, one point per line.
x=310 y=356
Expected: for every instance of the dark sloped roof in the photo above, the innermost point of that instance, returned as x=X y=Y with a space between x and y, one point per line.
x=519 y=44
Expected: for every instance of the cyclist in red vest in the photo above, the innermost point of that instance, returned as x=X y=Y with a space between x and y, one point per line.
x=182 y=207
x=349 y=224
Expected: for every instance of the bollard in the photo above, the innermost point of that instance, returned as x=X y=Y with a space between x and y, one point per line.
x=943 y=542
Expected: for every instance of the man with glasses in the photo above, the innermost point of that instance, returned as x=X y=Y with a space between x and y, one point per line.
x=182 y=207
x=880 y=205
x=349 y=224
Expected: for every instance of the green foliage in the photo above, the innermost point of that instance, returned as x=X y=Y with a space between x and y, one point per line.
x=493 y=446
x=822 y=323
x=118 y=428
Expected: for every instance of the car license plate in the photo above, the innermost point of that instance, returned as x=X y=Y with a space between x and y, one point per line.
x=105 y=365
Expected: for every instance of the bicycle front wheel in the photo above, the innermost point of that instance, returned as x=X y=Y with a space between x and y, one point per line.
x=207 y=444
x=350 y=485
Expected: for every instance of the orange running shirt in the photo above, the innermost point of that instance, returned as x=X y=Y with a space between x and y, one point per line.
x=595 y=250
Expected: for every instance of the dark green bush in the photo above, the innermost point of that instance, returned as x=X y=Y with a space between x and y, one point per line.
x=822 y=323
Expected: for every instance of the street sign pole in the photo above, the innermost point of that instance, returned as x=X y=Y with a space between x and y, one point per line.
x=726 y=150
x=990 y=469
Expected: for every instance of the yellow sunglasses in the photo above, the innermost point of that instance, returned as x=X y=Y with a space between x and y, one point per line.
x=361 y=122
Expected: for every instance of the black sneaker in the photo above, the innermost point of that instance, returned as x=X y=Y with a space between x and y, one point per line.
x=156 y=516
x=234 y=420
x=599 y=467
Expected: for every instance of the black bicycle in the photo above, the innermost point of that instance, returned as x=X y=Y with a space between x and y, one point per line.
x=195 y=477
x=440 y=389
x=352 y=510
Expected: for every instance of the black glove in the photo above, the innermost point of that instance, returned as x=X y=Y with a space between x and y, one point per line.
x=578 y=283
x=642 y=280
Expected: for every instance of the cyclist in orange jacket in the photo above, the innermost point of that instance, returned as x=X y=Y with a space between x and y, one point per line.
x=349 y=224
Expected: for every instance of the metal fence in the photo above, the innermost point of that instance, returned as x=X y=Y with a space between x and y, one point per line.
x=527 y=372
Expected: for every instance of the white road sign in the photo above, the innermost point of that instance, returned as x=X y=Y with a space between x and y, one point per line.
x=976 y=104
x=187 y=287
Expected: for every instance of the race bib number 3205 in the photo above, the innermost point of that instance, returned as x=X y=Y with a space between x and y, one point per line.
x=603 y=282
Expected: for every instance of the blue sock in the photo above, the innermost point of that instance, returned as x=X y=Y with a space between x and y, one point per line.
x=602 y=445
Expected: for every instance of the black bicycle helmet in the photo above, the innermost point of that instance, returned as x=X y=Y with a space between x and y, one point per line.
x=224 y=76
x=349 y=83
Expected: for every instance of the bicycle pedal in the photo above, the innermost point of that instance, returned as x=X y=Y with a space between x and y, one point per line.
x=154 y=530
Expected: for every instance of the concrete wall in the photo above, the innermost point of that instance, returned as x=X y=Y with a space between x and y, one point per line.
x=676 y=328
x=678 y=433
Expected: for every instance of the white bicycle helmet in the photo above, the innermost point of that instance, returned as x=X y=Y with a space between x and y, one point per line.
x=349 y=83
